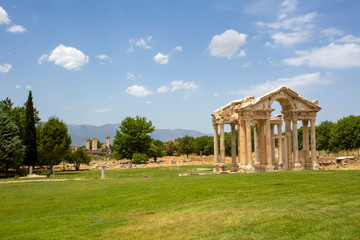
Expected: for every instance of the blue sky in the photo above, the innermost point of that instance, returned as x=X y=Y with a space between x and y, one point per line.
x=175 y=62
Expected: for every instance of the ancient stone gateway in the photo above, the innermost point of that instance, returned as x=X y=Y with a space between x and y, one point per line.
x=257 y=112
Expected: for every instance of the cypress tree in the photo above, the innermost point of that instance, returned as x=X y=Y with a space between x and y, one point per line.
x=30 y=134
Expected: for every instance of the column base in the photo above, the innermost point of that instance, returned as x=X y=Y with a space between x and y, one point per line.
x=249 y=168
x=298 y=167
x=269 y=168
x=280 y=166
x=216 y=167
x=222 y=167
x=241 y=168
x=315 y=166
x=234 y=167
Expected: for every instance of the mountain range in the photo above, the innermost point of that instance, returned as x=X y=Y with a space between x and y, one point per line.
x=79 y=133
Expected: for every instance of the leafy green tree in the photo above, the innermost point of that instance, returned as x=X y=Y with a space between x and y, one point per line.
x=11 y=148
x=202 y=144
x=171 y=148
x=30 y=158
x=323 y=134
x=133 y=137
x=79 y=157
x=156 y=149
x=186 y=144
x=54 y=142
x=140 y=158
x=345 y=134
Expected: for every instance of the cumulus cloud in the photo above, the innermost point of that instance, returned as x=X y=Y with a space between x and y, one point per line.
x=4 y=18
x=138 y=91
x=16 y=29
x=349 y=39
x=301 y=80
x=130 y=76
x=67 y=57
x=178 y=49
x=163 y=89
x=227 y=44
x=161 y=58
x=288 y=6
x=331 y=56
x=139 y=43
x=102 y=110
x=102 y=57
x=5 y=68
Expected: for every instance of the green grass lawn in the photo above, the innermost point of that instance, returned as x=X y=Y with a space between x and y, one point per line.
x=279 y=205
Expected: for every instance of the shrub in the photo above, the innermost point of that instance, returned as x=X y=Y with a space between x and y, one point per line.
x=140 y=157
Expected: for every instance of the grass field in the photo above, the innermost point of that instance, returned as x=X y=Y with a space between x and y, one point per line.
x=279 y=205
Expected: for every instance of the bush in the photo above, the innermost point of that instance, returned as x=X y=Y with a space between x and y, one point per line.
x=22 y=172
x=140 y=157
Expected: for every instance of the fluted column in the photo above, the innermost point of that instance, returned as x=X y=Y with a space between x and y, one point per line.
x=269 y=166
x=242 y=145
x=313 y=145
x=222 y=148
x=306 y=144
x=288 y=141
x=297 y=164
x=249 y=164
x=262 y=144
x=216 y=149
x=280 y=148
x=234 y=166
x=256 y=146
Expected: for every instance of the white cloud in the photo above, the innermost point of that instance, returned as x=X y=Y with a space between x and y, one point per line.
x=163 y=89
x=67 y=57
x=246 y=65
x=227 y=44
x=4 y=18
x=130 y=76
x=216 y=95
x=331 y=56
x=178 y=49
x=5 y=68
x=102 y=110
x=140 y=43
x=102 y=56
x=161 y=58
x=16 y=29
x=18 y=86
x=288 y=6
x=177 y=85
x=148 y=102
x=349 y=39
x=290 y=39
x=28 y=87
x=242 y=53
x=295 y=23
x=301 y=80
x=138 y=91
x=329 y=32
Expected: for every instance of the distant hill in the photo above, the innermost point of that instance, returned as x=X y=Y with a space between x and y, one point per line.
x=79 y=133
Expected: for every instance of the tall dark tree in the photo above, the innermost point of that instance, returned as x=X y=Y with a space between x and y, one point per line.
x=30 y=158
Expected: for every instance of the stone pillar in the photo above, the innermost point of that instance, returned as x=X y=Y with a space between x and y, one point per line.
x=234 y=166
x=297 y=165
x=242 y=145
x=272 y=131
x=288 y=140
x=88 y=144
x=222 y=148
x=30 y=170
x=216 y=149
x=269 y=166
x=256 y=146
x=108 y=141
x=103 y=172
x=285 y=145
x=262 y=144
x=280 y=148
x=249 y=164
x=315 y=165
x=306 y=144
x=94 y=143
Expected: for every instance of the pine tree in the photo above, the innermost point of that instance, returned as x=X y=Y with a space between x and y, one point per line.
x=30 y=134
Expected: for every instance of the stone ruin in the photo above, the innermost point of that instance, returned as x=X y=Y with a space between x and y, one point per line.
x=94 y=148
x=257 y=112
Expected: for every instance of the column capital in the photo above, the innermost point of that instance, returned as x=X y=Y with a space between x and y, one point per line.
x=215 y=125
x=312 y=121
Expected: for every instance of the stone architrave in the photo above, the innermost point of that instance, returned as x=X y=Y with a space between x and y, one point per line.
x=258 y=111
